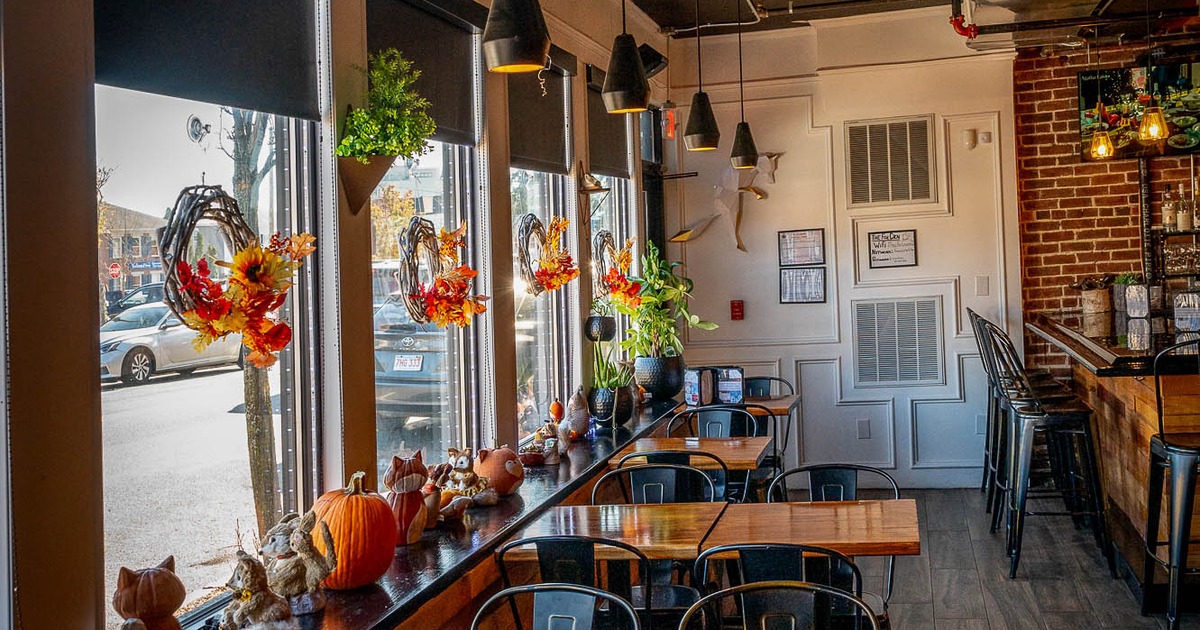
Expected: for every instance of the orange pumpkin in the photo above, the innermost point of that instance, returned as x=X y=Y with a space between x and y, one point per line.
x=364 y=534
x=152 y=595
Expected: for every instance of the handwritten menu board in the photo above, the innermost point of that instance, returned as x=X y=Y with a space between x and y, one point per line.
x=896 y=248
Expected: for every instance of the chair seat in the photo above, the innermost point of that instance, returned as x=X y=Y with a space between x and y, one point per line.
x=1178 y=441
x=878 y=608
x=666 y=597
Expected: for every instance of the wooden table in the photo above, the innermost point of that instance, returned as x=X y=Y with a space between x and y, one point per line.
x=737 y=453
x=662 y=532
x=779 y=406
x=855 y=528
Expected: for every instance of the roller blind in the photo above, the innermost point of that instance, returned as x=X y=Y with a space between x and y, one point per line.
x=439 y=39
x=537 y=126
x=251 y=54
x=608 y=139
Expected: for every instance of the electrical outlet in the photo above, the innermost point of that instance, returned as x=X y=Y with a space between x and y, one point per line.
x=980 y=424
x=864 y=429
x=982 y=285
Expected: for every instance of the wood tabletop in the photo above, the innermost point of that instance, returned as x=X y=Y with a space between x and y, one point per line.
x=663 y=531
x=781 y=406
x=737 y=453
x=855 y=528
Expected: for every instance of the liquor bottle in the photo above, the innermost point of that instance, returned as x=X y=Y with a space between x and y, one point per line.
x=1169 y=208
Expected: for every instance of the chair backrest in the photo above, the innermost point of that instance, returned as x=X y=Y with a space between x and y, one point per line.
x=801 y=563
x=829 y=482
x=761 y=386
x=716 y=421
x=719 y=473
x=1188 y=347
x=572 y=560
x=777 y=604
x=559 y=606
x=658 y=483
x=983 y=340
x=1012 y=381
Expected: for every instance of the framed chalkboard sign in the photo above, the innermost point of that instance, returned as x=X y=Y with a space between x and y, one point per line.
x=894 y=248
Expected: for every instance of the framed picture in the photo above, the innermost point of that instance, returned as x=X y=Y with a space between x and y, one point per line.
x=802 y=247
x=894 y=248
x=802 y=285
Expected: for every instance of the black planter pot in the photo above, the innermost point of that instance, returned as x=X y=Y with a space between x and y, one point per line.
x=662 y=377
x=600 y=328
x=611 y=407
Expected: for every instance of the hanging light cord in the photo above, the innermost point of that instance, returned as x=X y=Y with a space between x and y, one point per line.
x=623 y=17
x=741 y=80
x=699 y=59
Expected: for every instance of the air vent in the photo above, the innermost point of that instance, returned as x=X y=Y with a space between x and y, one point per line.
x=889 y=161
x=898 y=342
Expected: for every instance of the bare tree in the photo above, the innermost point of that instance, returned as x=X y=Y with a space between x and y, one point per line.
x=248 y=133
x=390 y=212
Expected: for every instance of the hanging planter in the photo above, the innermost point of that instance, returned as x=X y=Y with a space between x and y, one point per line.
x=446 y=298
x=555 y=267
x=359 y=178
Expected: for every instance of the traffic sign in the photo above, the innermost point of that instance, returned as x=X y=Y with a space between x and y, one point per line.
x=114 y=271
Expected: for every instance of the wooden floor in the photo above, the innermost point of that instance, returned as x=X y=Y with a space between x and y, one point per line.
x=961 y=579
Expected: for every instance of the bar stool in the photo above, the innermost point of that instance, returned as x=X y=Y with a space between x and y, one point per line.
x=1180 y=452
x=1066 y=425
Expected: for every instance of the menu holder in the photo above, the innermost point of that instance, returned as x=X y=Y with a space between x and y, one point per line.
x=1187 y=312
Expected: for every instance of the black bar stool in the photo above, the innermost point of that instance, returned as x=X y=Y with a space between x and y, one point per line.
x=1180 y=452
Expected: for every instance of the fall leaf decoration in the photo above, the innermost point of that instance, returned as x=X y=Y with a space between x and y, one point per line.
x=447 y=298
x=555 y=266
x=620 y=288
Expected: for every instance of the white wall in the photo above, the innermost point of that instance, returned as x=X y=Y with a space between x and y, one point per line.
x=803 y=85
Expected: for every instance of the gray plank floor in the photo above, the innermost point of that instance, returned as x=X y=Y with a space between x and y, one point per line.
x=960 y=581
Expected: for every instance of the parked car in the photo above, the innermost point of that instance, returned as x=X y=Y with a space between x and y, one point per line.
x=411 y=381
x=144 y=340
x=149 y=293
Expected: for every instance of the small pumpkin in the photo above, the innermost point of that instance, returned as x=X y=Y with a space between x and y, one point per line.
x=364 y=534
x=152 y=595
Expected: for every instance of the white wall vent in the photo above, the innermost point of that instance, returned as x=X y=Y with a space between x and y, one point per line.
x=898 y=342
x=890 y=161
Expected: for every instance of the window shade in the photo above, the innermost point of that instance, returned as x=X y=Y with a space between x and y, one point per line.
x=441 y=45
x=251 y=54
x=608 y=139
x=537 y=129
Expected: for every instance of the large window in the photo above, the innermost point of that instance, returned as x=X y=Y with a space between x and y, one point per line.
x=186 y=470
x=420 y=369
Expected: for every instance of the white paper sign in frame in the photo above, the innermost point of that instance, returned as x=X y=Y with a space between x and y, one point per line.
x=892 y=248
x=802 y=247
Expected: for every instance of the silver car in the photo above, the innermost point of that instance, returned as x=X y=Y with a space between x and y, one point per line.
x=143 y=340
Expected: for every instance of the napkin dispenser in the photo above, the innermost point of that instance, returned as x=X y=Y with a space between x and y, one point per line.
x=699 y=386
x=731 y=385
x=1187 y=312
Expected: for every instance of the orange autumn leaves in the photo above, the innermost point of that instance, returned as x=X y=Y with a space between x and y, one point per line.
x=258 y=284
x=621 y=289
x=447 y=298
x=555 y=266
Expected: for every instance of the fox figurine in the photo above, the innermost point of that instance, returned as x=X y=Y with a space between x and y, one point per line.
x=404 y=480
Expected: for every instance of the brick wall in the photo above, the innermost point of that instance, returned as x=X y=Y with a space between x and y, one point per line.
x=1077 y=218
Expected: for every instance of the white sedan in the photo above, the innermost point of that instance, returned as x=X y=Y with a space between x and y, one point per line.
x=146 y=339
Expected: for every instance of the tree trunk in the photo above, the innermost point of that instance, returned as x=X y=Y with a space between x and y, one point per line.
x=260 y=438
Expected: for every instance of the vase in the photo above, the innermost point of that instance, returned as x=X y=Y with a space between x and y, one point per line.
x=600 y=328
x=610 y=407
x=359 y=180
x=662 y=377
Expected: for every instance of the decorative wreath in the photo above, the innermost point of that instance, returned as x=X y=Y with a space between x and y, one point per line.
x=555 y=267
x=615 y=284
x=604 y=256
x=247 y=304
x=446 y=298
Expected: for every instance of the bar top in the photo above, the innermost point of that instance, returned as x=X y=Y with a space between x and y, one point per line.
x=1112 y=343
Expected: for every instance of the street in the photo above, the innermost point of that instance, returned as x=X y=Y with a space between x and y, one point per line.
x=176 y=477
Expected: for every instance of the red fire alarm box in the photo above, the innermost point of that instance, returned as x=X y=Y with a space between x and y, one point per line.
x=737 y=310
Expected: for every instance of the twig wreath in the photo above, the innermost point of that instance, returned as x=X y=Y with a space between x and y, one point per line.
x=555 y=267
x=604 y=255
x=446 y=299
x=257 y=286
x=615 y=283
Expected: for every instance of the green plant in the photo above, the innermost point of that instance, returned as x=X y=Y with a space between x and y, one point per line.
x=603 y=307
x=664 y=302
x=607 y=373
x=1128 y=278
x=394 y=121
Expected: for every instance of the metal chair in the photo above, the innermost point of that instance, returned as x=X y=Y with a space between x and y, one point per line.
x=572 y=560
x=719 y=474
x=837 y=482
x=559 y=606
x=762 y=386
x=722 y=421
x=1179 y=452
x=777 y=604
x=658 y=483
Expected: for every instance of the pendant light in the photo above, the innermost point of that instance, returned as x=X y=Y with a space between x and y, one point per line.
x=701 y=132
x=515 y=38
x=1154 y=124
x=744 y=154
x=1102 y=145
x=626 y=88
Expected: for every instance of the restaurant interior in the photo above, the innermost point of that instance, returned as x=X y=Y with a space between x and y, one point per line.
x=552 y=314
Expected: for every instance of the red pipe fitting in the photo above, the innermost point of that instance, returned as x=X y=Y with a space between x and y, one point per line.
x=959 y=22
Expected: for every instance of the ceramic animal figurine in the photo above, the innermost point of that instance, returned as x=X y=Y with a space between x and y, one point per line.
x=578 y=418
x=254 y=605
x=297 y=573
x=502 y=468
x=462 y=474
x=404 y=480
x=442 y=504
x=150 y=596
x=551 y=456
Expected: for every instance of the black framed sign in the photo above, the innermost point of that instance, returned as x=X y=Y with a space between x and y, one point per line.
x=894 y=248
x=802 y=247
x=802 y=285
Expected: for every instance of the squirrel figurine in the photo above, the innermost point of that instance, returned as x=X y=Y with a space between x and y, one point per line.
x=298 y=571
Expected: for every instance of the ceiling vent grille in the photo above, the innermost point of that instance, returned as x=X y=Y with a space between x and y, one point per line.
x=898 y=342
x=890 y=161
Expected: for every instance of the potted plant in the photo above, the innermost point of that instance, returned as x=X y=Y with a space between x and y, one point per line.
x=1118 y=289
x=654 y=335
x=393 y=123
x=601 y=325
x=611 y=399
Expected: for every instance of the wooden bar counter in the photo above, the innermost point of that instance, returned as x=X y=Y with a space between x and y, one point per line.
x=1117 y=382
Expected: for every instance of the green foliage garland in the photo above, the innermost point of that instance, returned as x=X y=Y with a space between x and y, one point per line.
x=394 y=121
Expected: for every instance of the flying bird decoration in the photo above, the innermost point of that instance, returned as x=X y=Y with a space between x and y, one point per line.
x=727 y=200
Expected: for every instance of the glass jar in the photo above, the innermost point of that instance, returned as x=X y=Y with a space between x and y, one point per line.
x=1184 y=215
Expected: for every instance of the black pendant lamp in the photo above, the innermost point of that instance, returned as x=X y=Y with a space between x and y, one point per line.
x=701 y=132
x=744 y=154
x=515 y=38
x=626 y=88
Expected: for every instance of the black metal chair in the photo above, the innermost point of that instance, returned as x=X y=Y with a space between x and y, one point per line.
x=777 y=604
x=1180 y=453
x=719 y=473
x=763 y=386
x=803 y=563
x=572 y=560
x=723 y=421
x=559 y=606
x=838 y=482
x=658 y=483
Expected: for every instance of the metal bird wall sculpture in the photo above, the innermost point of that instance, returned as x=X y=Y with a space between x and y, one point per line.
x=727 y=194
